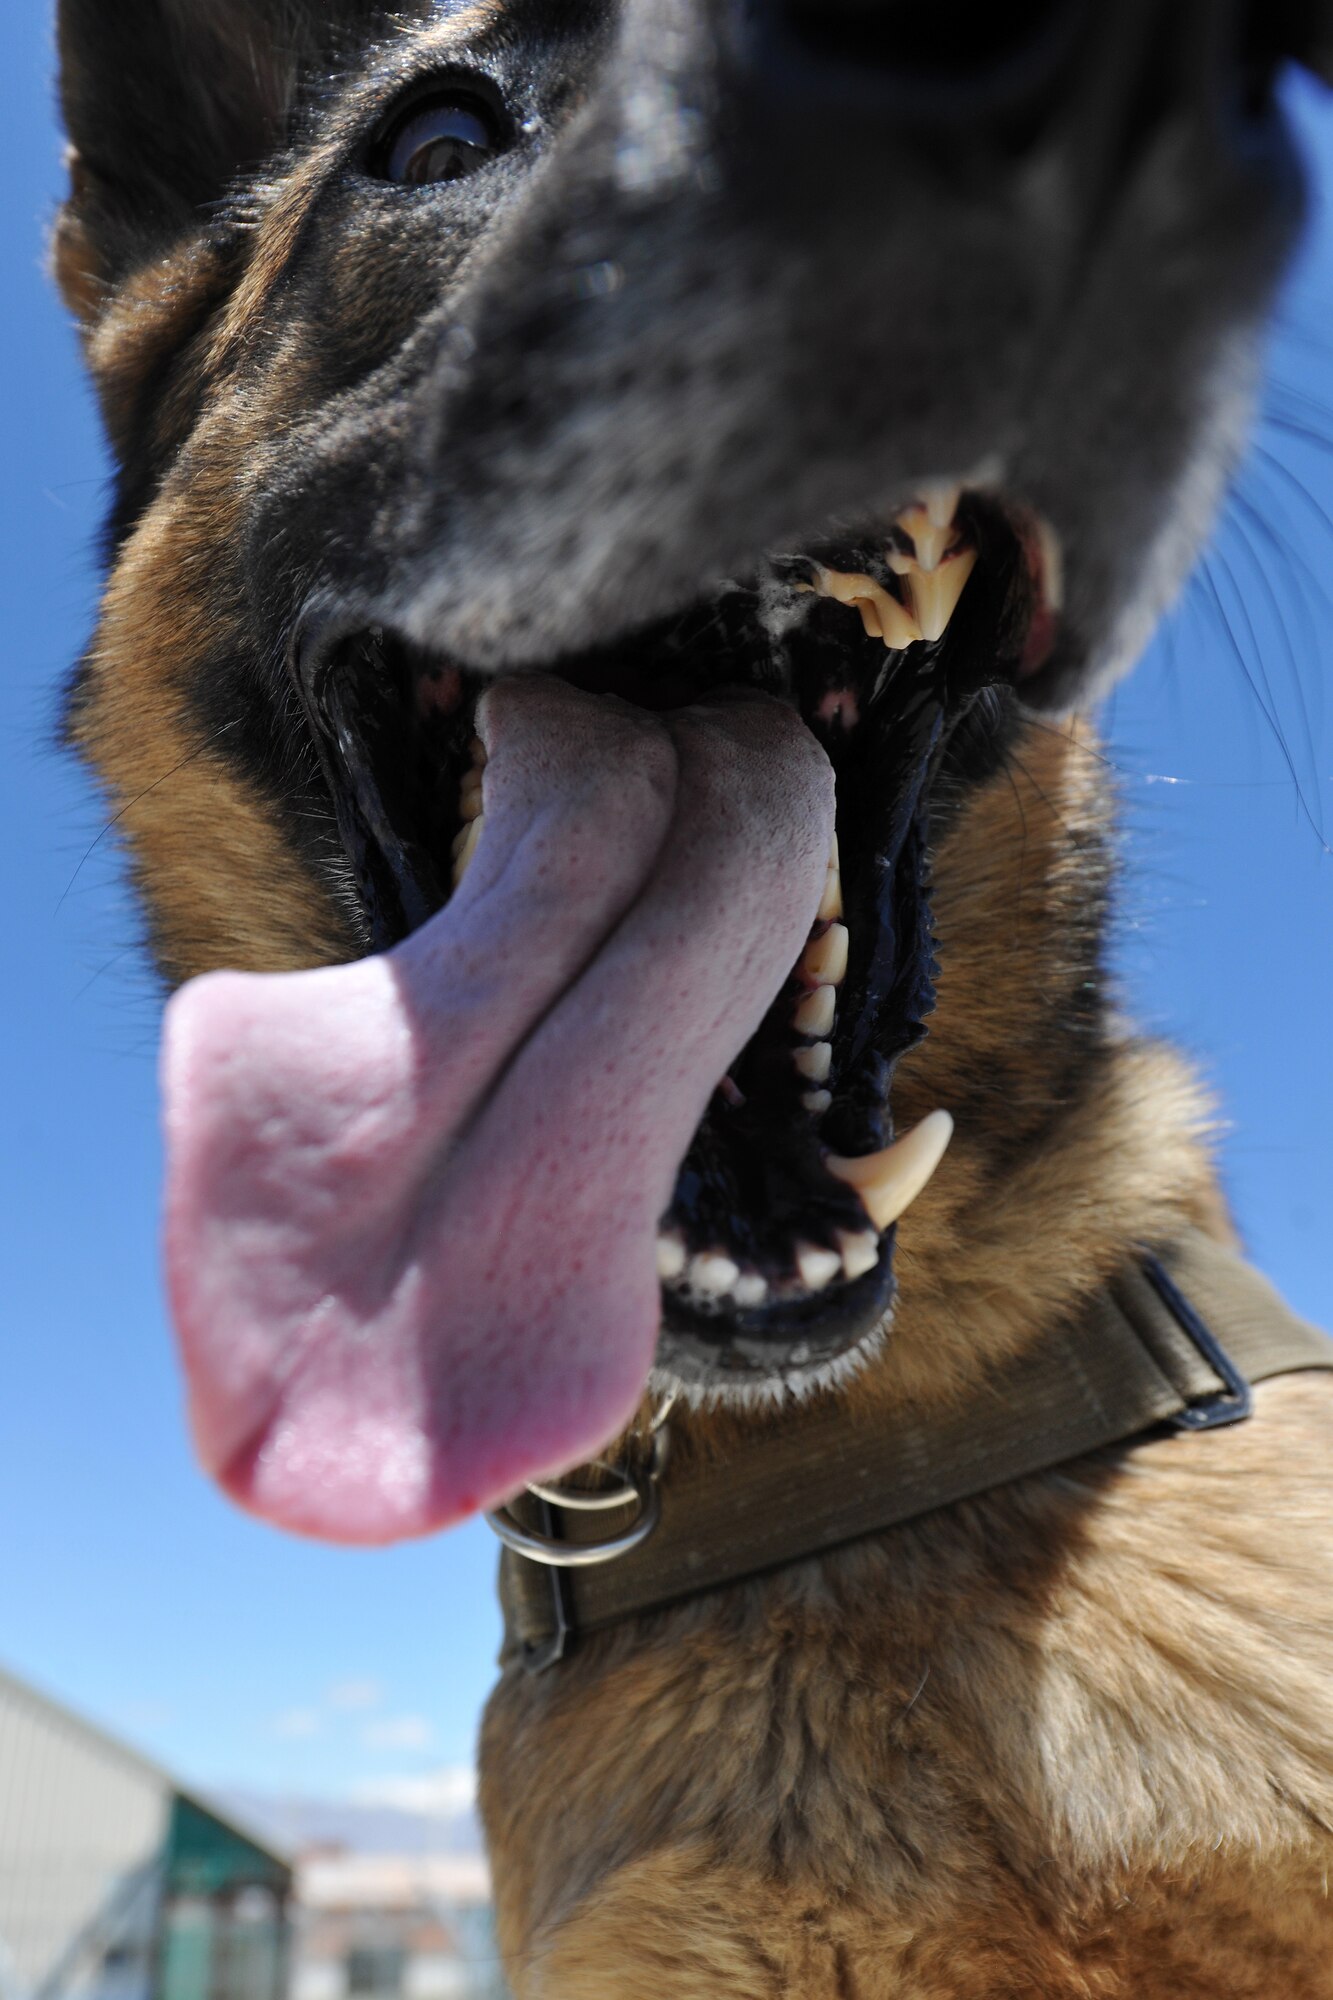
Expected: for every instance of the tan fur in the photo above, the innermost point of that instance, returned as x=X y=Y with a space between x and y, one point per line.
x=221 y=886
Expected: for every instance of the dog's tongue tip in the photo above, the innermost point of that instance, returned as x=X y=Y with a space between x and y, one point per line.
x=413 y=1201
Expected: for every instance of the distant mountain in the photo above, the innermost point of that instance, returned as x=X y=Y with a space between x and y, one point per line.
x=294 y=1824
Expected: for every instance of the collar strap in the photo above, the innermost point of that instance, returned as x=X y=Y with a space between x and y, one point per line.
x=1175 y=1338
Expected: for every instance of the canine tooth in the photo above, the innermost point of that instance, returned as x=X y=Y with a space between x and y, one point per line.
x=477 y=752
x=470 y=798
x=889 y=1182
x=1052 y=565
x=940 y=500
x=714 y=1273
x=860 y=1253
x=831 y=906
x=815 y=1062
x=817 y=1012
x=465 y=847
x=930 y=542
x=817 y=1102
x=817 y=1267
x=834 y=857
x=824 y=960
x=935 y=594
x=672 y=1256
x=750 y=1289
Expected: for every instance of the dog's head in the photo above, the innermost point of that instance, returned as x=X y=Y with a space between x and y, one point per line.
x=888 y=357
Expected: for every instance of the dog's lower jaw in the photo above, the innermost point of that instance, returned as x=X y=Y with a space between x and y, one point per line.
x=851 y=1776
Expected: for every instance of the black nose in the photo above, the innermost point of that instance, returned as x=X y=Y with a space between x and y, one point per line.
x=923 y=60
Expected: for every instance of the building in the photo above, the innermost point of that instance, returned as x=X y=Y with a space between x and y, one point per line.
x=394 y=1927
x=118 y=1884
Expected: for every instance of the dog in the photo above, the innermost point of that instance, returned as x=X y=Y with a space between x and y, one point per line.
x=821 y=388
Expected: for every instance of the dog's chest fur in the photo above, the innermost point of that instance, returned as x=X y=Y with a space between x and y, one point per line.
x=1073 y=1739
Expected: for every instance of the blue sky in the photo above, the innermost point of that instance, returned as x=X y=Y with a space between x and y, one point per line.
x=126 y=1584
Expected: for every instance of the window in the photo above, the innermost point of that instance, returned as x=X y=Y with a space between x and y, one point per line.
x=375 y=1972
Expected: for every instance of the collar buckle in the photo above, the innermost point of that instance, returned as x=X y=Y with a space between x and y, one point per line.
x=1232 y=1404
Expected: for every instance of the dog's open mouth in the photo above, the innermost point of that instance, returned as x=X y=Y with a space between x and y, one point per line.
x=776 y=1253
x=610 y=1087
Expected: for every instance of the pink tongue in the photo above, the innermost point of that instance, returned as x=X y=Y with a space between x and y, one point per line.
x=413 y=1202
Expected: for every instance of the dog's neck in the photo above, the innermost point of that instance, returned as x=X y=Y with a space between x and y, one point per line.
x=1076 y=1138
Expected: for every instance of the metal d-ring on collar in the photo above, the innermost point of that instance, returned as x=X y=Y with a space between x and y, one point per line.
x=642 y=1486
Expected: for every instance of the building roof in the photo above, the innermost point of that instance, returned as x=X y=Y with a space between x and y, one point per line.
x=199 y=1828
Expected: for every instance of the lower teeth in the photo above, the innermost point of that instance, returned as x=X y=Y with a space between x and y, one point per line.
x=888 y=1183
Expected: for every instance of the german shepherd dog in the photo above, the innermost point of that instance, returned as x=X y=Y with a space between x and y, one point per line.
x=560 y=443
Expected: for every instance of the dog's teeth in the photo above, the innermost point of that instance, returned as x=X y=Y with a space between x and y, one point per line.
x=1052 y=566
x=817 y=1102
x=750 y=1290
x=898 y=627
x=815 y=1063
x=941 y=503
x=834 y=856
x=881 y=613
x=930 y=542
x=860 y=1253
x=889 y=1182
x=465 y=847
x=714 y=1273
x=477 y=752
x=817 y=1267
x=870 y=617
x=817 y=1012
x=831 y=907
x=935 y=594
x=824 y=960
x=672 y=1256
x=470 y=797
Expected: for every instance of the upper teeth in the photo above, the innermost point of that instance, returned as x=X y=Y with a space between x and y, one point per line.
x=931 y=538
x=881 y=613
x=934 y=572
x=935 y=593
x=824 y=960
x=471 y=810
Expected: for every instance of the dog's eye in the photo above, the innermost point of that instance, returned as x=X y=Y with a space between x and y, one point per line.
x=441 y=140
